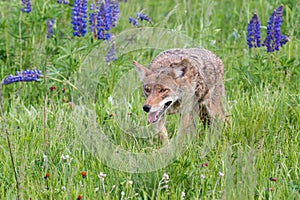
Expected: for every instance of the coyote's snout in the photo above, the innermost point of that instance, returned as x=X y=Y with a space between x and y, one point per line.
x=177 y=72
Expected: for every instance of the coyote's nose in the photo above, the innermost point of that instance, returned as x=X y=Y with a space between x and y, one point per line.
x=146 y=107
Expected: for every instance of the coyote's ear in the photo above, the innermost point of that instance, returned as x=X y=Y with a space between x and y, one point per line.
x=141 y=70
x=181 y=69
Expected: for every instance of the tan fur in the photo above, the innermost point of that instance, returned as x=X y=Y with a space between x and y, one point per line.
x=177 y=72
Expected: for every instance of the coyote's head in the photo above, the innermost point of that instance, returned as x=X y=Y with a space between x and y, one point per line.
x=162 y=87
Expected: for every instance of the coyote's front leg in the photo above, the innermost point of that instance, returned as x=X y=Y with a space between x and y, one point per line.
x=160 y=129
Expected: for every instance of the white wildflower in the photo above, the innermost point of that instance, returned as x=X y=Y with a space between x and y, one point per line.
x=166 y=177
x=221 y=174
x=182 y=195
x=101 y=175
x=111 y=100
x=66 y=158
x=45 y=164
x=45 y=158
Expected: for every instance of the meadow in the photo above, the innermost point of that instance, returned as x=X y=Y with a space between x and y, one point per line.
x=80 y=131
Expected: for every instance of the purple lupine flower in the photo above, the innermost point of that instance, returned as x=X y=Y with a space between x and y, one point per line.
x=142 y=16
x=79 y=15
x=273 y=38
x=50 y=24
x=103 y=18
x=107 y=15
x=133 y=21
x=92 y=6
x=100 y=22
x=253 y=39
x=115 y=12
x=130 y=20
x=23 y=76
x=26 y=6
x=61 y=1
x=139 y=16
x=111 y=54
x=92 y=18
x=283 y=40
x=277 y=24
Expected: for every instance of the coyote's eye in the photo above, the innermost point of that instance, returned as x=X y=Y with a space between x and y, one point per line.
x=162 y=90
x=147 y=89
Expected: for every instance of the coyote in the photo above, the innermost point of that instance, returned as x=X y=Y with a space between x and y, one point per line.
x=176 y=72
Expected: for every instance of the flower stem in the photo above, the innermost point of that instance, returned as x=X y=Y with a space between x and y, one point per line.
x=9 y=146
x=13 y=165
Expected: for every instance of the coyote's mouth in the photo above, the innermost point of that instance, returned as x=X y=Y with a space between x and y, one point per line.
x=155 y=116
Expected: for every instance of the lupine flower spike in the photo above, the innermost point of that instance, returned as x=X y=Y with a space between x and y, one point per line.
x=103 y=17
x=142 y=16
x=139 y=16
x=23 y=76
x=253 y=39
x=111 y=55
x=92 y=19
x=49 y=24
x=283 y=40
x=133 y=21
x=61 y=1
x=103 y=22
x=274 y=39
x=114 y=12
x=79 y=15
x=26 y=6
x=106 y=18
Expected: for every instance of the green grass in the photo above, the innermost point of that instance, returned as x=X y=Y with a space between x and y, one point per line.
x=262 y=100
